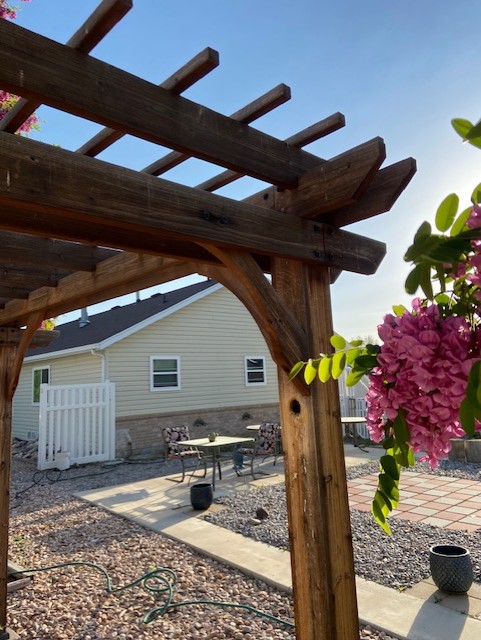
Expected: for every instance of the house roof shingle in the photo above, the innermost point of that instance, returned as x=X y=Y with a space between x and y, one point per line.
x=107 y=324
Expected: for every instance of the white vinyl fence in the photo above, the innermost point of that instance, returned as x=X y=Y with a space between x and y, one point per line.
x=351 y=406
x=78 y=419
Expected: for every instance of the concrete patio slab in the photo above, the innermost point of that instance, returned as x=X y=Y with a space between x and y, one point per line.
x=163 y=505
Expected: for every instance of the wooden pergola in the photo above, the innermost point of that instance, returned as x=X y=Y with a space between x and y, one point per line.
x=75 y=231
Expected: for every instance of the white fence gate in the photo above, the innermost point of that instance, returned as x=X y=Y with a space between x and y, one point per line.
x=78 y=419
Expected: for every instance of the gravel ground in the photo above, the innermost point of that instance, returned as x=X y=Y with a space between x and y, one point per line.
x=49 y=526
x=398 y=561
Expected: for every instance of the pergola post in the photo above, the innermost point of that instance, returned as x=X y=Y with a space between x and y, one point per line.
x=13 y=345
x=319 y=524
x=9 y=340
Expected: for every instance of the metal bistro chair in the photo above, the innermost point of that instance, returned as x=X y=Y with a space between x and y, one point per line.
x=266 y=444
x=172 y=436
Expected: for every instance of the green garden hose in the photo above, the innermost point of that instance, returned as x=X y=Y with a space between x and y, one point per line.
x=160 y=583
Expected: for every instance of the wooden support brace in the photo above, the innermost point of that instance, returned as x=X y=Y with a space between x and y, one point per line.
x=283 y=334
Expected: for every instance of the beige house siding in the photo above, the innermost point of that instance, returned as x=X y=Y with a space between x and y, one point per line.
x=75 y=369
x=211 y=337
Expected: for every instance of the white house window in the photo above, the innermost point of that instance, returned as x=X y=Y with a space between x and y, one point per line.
x=164 y=373
x=255 y=370
x=40 y=376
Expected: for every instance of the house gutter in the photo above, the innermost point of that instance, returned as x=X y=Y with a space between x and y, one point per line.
x=103 y=368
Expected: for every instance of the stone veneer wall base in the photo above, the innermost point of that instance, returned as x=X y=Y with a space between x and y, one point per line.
x=142 y=435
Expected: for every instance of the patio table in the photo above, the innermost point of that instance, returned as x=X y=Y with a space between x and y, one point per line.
x=213 y=448
x=355 y=420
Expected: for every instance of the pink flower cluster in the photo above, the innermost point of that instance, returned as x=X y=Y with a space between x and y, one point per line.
x=7 y=100
x=424 y=364
x=7 y=12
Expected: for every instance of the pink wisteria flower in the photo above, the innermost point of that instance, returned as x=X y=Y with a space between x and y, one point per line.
x=7 y=11
x=423 y=368
x=8 y=100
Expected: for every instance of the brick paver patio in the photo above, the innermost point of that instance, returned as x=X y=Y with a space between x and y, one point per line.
x=450 y=503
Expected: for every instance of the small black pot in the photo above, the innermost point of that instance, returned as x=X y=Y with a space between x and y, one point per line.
x=201 y=496
x=451 y=568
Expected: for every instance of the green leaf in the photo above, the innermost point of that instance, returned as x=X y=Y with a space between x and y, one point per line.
x=390 y=466
x=367 y=362
x=355 y=343
x=459 y=225
x=389 y=488
x=401 y=429
x=476 y=195
x=337 y=342
x=474 y=132
x=399 y=309
x=446 y=212
x=388 y=442
x=442 y=298
x=338 y=364
x=425 y=281
x=466 y=416
x=422 y=248
x=379 y=516
x=462 y=127
x=473 y=391
x=354 y=376
x=351 y=355
x=373 y=349
x=295 y=369
x=412 y=281
x=402 y=455
x=310 y=372
x=423 y=232
x=324 y=371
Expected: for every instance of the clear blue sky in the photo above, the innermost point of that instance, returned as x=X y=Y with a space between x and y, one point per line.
x=396 y=70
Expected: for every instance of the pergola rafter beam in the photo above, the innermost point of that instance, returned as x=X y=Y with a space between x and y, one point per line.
x=116 y=276
x=198 y=67
x=252 y=111
x=40 y=178
x=96 y=27
x=18 y=275
x=385 y=188
x=27 y=249
x=39 y=69
x=306 y=136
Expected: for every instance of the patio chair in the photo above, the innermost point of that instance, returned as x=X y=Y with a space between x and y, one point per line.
x=267 y=443
x=172 y=436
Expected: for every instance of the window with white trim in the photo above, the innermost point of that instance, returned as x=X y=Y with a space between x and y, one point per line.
x=164 y=373
x=39 y=376
x=255 y=370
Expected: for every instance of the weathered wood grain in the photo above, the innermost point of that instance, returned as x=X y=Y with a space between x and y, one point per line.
x=114 y=277
x=254 y=110
x=26 y=249
x=43 y=179
x=319 y=527
x=300 y=139
x=39 y=69
x=198 y=67
x=96 y=27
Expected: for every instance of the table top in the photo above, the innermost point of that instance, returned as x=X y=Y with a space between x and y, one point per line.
x=220 y=441
x=352 y=419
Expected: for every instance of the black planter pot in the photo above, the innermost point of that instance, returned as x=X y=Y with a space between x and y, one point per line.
x=201 y=496
x=451 y=568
